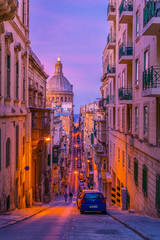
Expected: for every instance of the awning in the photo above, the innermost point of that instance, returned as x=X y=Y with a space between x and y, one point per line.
x=108 y=177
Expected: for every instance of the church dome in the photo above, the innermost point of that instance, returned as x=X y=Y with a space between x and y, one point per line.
x=58 y=83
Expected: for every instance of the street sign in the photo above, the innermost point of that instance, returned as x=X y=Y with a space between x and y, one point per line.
x=26 y=168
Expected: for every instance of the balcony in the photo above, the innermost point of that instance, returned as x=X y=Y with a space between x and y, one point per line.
x=111 y=71
x=111 y=12
x=151 y=18
x=125 y=53
x=111 y=100
x=126 y=11
x=125 y=95
x=151 y=82
x=111 y=41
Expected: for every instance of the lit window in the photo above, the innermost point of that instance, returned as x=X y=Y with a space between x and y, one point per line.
x=137 y=24
x=123 y=159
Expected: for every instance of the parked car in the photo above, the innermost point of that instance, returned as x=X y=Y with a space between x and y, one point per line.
x=79 y=196
x=92 y=201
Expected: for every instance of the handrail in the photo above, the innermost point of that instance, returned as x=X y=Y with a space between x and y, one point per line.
x=125 y=50
x=111 y=99
x=126 y=5
x=111 y=69
x=125 y=93
x=111 y=38
x=151 y=77
x=152 y=9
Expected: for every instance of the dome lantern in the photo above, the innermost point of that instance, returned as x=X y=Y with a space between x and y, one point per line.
x=58 y=67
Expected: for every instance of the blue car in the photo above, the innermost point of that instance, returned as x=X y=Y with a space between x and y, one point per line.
x=93 y=201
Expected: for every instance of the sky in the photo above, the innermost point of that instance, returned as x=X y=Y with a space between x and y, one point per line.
x=77 y=31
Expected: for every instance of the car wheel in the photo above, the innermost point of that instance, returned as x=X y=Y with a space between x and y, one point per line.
x=104 y=212
x=81 y=211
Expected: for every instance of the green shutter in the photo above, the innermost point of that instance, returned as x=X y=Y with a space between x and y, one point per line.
x=95 y=128
x=49 y=159
x=158 y=193
x=144 y=180
x=92 y=138
x=136 y=171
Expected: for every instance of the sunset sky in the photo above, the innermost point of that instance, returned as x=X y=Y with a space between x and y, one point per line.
x=77 y=30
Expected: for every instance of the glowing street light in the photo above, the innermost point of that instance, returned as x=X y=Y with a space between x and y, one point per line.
x=75 y=172
x=47 y=139
x=76 y=145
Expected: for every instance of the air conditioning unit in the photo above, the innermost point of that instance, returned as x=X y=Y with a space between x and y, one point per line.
x=131 y=141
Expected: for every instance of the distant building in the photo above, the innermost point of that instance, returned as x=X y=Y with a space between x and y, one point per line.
x=59 y=99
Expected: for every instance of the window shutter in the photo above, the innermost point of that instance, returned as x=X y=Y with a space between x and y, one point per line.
x=17 y=145
x=158 y=193
x=95 y=130
x=92 y=138
x=49 y=159
x=144 y=180
x=136 y=171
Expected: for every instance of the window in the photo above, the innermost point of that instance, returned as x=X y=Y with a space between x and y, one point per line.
x=123 y=79
x=114 y=149
x=110 y=146
x=8 y=75
x=145 y=121
x=92 y=138
x=69 y=99
x=123 y=119
x=118 y=118
x=129 y=163
x=144 y=180
x=158 y=193
x=0 y=150
x=129 y=118
x=8 y=152
x=17 y=80
x=0 y=73
x=123 y=159
x=57 y=98
x=110 y=117
x=61 y=99
x=136 y=171
x=24 y=83
x=52 y=99
x=104 y=166
x=137 y=24
x=24 y=145
x=118 y=154
x=17 y=145
x=49 y=159
x=146 y=60
x=136 y=120
x=65 y=99
x=137 y=72
x=23 y=12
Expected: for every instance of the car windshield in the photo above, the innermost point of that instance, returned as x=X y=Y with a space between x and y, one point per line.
x=93 y=196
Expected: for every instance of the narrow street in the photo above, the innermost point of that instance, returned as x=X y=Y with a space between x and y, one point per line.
x=65 y=222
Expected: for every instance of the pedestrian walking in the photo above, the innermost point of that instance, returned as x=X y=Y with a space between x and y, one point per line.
x=65 y=197
x=70 y=197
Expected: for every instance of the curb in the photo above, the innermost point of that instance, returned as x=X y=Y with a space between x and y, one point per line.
x=127 y=226
x=25 y=218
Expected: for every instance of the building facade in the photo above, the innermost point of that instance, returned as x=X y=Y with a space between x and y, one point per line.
x=131 y=87
x=15 y=189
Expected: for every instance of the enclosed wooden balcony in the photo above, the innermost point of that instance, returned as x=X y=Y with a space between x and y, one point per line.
x=125 y=95
x=151 y=82
x=126 y=11
x=151 y=18
x=111 y=41
x=125 y=53
x=111 y=12
x=111 y=71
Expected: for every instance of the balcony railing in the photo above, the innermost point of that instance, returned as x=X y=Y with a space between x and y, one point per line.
x=111 y=8
x=126 y=5
x=125 y=93
x=125 y=50
x=110 y=99
x=111 y=38
x=111 y=69
x=152 y=9
x=151 y=77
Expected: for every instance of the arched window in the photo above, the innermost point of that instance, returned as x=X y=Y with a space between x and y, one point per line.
x=52 y=99
x=65 y=99
x=61 y=99
x=69 y=99
x=8 y=152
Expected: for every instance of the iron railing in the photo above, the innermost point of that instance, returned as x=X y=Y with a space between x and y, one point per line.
x=111 y=69
x=125 y=50
x=152 y=9
x=111 y=8
x=125 y=93
x=111 y=38
x=126 y=5
x=110 y=99
x=151 y=77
